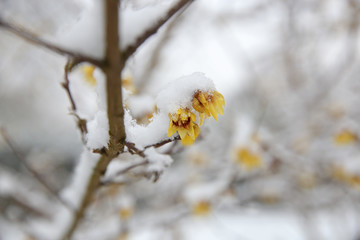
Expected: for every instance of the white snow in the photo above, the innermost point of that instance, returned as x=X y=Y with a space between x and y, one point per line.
x=119 y=164
x=100 y=89
x=109 y=228
x=98 y=131
x=84 y=95
x=179 y=93
x=244 y=225
x=74 y=192
x=157 y=161
x=141 y=105
x=87 y=35
x=135 y=21
x=9 y=230
x=205 y=191
x=143 y=136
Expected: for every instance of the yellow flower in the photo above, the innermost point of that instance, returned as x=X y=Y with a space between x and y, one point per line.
x=88 y=71
x=355 y=181
x=345 y=137
x=125 y=213
x=307 y=180
x=269 y=198
x=248 y=159
x=208 y=103
x=340 y=174
x=183 y=121
x=201 y=208
x=123 y=236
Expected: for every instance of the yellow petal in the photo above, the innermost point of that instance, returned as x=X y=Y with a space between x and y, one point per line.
x=191 y=132
x=196 y=130
x=248 y=159
x=207 y=113
x=219 y=97
x=219 y=108
x=197 y=105
x=88 y=73
x=345 y=137
x=203 y=98
x=192 y=117
x=172 y=129
x=202 y=208
x=125 y=213
x=202 y=118
x=187 y=140
x=179 y=111
x=182 y=132
x=213 y=111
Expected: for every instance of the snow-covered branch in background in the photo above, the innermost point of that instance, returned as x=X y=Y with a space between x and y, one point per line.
x=32 y=38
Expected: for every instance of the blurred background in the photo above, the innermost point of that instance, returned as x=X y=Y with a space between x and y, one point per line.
x=283 y=162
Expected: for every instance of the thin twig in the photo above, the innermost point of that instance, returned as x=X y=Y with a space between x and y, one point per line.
x=159 y=144
x=125 y=170
x=34 y=173
x=32 y=38
x=81 y=123
x=131 y=167
x=134 y=150
x=26 y=206
x=130 y=50
x=156 y=53
x=66 y=85
x=18 y=226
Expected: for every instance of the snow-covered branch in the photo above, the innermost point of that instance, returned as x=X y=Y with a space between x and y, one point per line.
x=33 y=172
x=130 y=50
x=37 y=41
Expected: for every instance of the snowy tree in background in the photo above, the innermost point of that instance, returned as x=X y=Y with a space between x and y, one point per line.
x=145 y=80
x=97 y=104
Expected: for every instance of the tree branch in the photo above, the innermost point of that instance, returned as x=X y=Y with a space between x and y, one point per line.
x=113 y=70
x=28 y=208
x=35 y=174
x=130 y=50
x=32 y=38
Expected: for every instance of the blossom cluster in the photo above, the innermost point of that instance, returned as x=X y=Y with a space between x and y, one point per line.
x=183 y=121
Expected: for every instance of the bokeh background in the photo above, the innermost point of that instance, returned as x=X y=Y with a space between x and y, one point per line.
x=283 y=161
